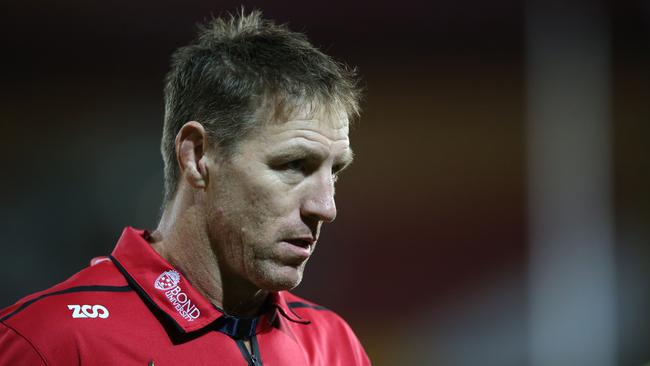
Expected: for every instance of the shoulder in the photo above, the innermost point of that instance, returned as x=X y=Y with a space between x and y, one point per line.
x=40 y=320
x=85 y=284
x=326 y=328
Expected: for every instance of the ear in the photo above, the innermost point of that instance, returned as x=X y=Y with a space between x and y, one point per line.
x=191 y=147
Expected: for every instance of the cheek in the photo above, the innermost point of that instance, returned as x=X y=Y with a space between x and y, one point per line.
x=248 y=213
x=266 y=200
x=245 y=221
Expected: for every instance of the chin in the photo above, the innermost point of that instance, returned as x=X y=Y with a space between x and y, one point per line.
x=281 y=279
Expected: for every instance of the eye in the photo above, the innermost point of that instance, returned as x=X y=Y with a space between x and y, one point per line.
x=298 y=165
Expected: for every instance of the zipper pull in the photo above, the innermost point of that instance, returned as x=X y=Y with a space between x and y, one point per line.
x=253 y=360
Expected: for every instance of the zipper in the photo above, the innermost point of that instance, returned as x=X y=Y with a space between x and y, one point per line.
x=253 y=358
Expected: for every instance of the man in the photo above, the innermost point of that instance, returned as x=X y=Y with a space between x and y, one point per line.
x=255 y=135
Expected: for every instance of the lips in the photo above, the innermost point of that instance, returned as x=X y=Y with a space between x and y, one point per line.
x=296 y=250
x=300 y=242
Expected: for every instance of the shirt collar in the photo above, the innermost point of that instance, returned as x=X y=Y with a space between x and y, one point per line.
x=167 y=289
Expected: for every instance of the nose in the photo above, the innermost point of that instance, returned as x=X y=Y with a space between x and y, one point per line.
x=319 y=199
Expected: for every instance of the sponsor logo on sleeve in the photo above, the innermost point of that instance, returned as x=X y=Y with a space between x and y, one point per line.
x=169 y=281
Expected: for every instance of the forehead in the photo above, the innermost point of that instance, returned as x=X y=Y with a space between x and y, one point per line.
x=329 y=122
x=302 y=133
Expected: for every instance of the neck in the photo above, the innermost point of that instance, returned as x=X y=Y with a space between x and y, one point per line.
x=182 y=239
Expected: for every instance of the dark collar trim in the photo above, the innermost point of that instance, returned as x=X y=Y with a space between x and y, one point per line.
x=292 y=316
x=238 y=328
x=300 y=304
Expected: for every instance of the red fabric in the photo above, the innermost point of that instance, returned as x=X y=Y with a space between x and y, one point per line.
x=112 y=313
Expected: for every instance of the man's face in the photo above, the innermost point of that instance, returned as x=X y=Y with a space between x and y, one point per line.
x=266 y=204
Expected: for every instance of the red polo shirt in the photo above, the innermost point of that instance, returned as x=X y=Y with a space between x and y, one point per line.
x=134 y=308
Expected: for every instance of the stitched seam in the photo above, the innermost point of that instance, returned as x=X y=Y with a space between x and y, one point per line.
x=28 y=342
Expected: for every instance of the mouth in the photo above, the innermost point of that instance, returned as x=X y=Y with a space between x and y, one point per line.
x=300 y=242
x=298 y=249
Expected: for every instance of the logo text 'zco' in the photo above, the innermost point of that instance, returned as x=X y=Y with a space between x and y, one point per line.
x=88 y=311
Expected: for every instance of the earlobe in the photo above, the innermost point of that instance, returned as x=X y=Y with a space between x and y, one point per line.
x=190 y=154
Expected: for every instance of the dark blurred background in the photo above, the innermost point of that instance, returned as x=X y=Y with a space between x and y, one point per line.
x=463 y=236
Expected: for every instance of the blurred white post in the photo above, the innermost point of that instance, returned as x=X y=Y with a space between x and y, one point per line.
x=572 y=269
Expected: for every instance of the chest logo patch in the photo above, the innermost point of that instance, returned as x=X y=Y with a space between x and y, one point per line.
x=89 y=311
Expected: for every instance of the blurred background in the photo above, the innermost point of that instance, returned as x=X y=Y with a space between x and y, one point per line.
x=497 y=211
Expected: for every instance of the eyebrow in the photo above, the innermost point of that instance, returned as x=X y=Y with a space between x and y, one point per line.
x=346 y=160
x=295 y=150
